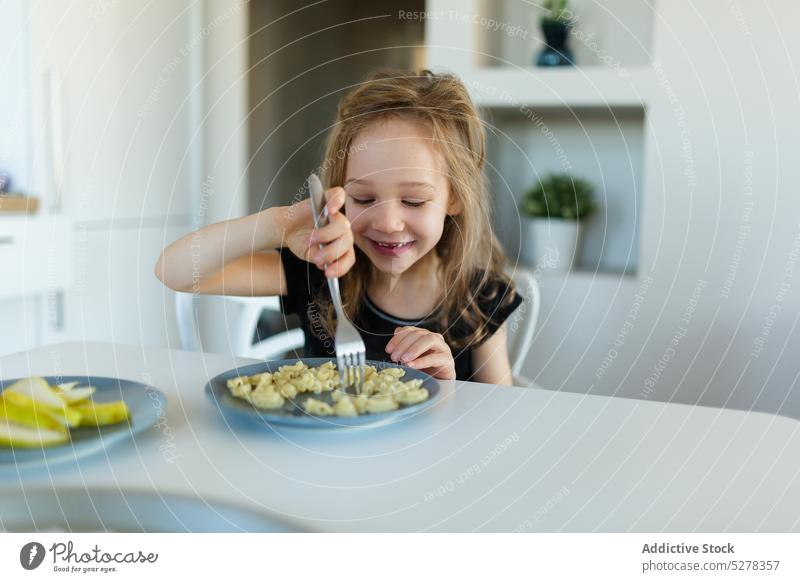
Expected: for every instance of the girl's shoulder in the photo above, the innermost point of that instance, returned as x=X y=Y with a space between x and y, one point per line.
x=493 y=298
x=492 y=290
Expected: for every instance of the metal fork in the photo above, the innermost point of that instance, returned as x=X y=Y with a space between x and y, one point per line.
x=351 y=356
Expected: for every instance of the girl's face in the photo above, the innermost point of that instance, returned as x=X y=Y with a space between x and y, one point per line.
x=397 y=194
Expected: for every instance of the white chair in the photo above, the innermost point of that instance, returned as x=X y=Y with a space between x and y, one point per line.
x=521 y=326
x=249 y=311
x=522 y=323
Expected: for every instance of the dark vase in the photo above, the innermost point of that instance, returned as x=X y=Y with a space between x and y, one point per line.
x=555 y=52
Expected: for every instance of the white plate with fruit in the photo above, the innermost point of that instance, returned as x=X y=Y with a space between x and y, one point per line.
x=49 y=419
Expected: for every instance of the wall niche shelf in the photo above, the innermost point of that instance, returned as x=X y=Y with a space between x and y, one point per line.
x=510 y=87
x=604 y=146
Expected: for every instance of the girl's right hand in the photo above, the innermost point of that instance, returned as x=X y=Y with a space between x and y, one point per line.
x=303 y=239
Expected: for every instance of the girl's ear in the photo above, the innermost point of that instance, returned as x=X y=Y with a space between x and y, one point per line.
x=454 y=206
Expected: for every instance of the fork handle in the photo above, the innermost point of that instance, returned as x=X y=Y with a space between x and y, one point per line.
x=333 y=282
x=336 y=297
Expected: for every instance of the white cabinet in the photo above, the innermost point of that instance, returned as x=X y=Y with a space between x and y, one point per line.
x=65 y=282
x=35 y=272
x=34 y=255
x=123 y=97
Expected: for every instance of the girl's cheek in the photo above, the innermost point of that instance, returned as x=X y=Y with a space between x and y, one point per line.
x=432 y=223
x=357 y=218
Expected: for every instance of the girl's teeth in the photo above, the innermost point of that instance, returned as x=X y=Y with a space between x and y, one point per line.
x=393 y=245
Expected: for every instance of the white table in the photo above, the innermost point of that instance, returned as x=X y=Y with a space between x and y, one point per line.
x=570 y=462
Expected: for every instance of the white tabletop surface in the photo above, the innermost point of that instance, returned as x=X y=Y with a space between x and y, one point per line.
x=483 y=458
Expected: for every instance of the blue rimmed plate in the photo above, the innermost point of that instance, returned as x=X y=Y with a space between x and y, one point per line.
x=145 y=403
x=292 y=413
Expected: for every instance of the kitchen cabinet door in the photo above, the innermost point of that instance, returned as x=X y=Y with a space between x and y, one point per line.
x=35 y=273
x=122 y=89
x=20 y=317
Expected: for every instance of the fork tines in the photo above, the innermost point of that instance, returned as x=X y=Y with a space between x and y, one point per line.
x=351 y=370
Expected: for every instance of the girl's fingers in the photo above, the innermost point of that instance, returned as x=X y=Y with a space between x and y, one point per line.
x=400 y=339
x=335 y=198
x=406 y=343
x=420 y=346
x=336 y=238
x=342 y=265
x=337 y=226
x=432 y=360
x=427 y=351
x=436 y=364
x=399 y=333
x=333 y=250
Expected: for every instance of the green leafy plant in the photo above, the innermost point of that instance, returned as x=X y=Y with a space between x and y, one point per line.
x=557 y=11
x=559 y=196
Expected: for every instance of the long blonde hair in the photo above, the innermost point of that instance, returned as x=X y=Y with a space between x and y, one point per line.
x=469 y=251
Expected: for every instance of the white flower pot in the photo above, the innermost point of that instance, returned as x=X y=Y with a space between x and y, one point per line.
x=550 y=244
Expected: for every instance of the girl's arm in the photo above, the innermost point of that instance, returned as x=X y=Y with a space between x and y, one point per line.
x=237 y=257
x=490 y=360
x=234 y=257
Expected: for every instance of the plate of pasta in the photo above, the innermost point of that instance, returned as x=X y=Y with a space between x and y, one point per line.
x=308 y=393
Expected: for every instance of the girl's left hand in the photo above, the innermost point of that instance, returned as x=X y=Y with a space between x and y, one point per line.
x=422 y=350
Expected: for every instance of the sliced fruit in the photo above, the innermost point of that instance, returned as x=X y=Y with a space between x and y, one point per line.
x=77 y=395
x=66 y=387
x=36 y=394
x=100 y=414
x=36 y=389
x=17 y=435
x=28 y=416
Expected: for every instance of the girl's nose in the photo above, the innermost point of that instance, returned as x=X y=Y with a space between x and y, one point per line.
x=387 y=218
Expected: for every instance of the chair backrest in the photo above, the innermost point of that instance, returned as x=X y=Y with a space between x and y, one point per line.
x=245 y=323
x=522 y=323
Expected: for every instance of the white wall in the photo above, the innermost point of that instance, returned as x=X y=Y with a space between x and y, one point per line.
x=720 y=208
x=223 y=192
x=15 y=96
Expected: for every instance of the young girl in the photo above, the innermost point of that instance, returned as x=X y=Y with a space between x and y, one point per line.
x=409 y=236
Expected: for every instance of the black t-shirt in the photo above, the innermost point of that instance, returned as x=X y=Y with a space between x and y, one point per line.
x=304 y=281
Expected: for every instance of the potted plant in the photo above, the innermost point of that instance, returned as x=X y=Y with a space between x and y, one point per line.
x=556 y=23
x=555 y=207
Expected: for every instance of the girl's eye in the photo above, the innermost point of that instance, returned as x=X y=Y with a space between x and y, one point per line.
x=367 y=201
x=363 y=201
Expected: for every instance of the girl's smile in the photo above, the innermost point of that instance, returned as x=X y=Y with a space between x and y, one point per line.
x=391 y=249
